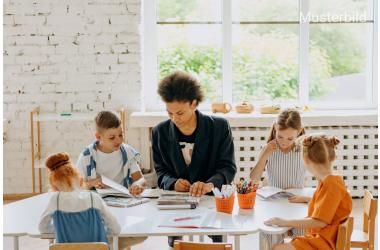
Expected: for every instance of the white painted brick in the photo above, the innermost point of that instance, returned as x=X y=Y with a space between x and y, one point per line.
x=48 y=88
x=129 y=58
x=96 y=106
x=63 y=20
x=67 y=49
x=8 y=20
x=31 y=40
x=31 y=59
x=102 y=49
x=26 y=8
x=79 y=106
x=119 y=49
x=43 y=8
x=17 y=30
x=86 y=49
x=63 y=107
x=56 y=58
x=106 y=58
x=105 y=39
x=29 y=20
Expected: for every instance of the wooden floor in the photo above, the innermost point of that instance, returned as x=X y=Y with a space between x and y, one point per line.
x=158 y=243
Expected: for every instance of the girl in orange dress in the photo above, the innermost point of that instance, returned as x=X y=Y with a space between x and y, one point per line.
x=330 y=205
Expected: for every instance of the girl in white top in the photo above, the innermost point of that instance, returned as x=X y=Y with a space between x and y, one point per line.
x=65 y=179
x=283 y=162
x=281 y=157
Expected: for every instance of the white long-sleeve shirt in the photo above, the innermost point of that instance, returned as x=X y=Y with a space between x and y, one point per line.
x=77 y=201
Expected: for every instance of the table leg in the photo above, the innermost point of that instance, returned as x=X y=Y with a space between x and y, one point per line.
x=224 y=238
x=266 y=241
x=15 y=243
x=201 y=238
x=237 y=242
x=115 y=242
x=191 y=238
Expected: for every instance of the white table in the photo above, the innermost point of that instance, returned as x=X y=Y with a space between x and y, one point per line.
x=22 y=217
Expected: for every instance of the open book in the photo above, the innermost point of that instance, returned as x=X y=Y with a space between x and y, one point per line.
x=185 y=220
x=117 y=190
x=269 y=192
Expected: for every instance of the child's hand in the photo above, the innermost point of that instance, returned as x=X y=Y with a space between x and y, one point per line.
x=136 y=189
x=276 y=222
x=299 y=199
x=96 y=183
x=270 y=147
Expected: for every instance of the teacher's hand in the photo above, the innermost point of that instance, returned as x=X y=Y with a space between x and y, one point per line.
x=200 y=188
x=182 y=185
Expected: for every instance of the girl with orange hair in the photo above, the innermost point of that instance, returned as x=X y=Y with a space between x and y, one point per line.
x=330 y=205
x=73 y=214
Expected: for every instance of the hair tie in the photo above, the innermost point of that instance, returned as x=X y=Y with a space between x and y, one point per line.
x=58 y=164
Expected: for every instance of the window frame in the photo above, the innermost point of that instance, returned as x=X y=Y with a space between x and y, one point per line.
x=151 y=101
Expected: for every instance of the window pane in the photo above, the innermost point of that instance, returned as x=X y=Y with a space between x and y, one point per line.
x=188 y=10
x=265 y=62
x=353 y=9
x=338 y=61
x=264 y=10
x=196 y=49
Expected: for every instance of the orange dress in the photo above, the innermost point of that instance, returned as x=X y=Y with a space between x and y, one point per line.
x=332 y=204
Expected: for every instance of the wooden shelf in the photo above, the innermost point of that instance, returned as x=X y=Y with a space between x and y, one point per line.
x=35 y=127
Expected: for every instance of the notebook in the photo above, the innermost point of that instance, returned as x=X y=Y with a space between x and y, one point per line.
x=124 y=202
x=269 y=192
x=117 y=190
x=177 y=201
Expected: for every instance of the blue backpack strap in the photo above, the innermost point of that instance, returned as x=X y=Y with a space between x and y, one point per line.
x=87 y=152
x=58 y=200
x=127 y=181
x=92 y=202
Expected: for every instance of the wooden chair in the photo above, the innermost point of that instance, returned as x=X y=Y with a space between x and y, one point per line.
x=79 y=246
x=344 y=234
x=182 y=245
x=366 y=238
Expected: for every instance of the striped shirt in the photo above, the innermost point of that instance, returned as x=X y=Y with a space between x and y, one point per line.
x=286 y=170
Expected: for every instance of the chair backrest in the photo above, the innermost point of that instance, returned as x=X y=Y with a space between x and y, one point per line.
x=369 y=215
x=343 y=239
x=79 y=246
x=183 y=245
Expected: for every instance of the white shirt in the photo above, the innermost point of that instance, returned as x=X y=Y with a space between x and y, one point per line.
x=77 y=201
x=109 y=164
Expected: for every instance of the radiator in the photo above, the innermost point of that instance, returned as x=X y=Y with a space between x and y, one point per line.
x=356 y=154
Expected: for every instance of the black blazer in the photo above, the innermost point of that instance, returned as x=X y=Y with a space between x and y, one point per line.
x=213 y=158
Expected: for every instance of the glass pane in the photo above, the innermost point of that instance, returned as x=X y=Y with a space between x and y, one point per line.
x=195 y=49
x=188 y=10
x=265 y=62
x=264 y=10
x=338 y=61
x=346 y=9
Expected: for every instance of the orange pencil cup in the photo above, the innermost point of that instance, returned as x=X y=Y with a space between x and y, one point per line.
x=247 y=201
x=225 y=205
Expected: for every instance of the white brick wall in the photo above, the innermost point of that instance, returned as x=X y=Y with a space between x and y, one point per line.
x=65 y=55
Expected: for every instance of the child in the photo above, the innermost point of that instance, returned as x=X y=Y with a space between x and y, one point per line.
x=281 y=158
x=330 y=205
x=110 y=157
x=283 y=162
x=71 y=210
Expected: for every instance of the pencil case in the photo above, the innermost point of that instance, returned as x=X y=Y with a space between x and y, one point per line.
x=246 y=201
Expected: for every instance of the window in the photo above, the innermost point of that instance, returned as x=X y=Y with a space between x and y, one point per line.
x=285 y=51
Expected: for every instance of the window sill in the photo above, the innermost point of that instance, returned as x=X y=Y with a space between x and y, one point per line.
x=314 y=118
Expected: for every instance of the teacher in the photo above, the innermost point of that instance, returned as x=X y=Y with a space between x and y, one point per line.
x=192 y=152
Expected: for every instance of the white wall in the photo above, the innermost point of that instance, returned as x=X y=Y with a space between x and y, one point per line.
x=65 y=55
